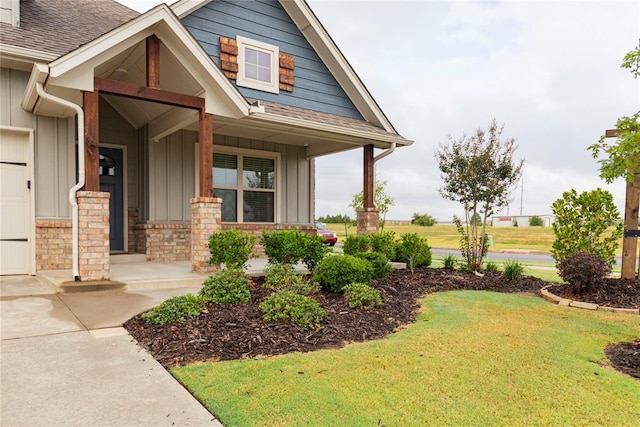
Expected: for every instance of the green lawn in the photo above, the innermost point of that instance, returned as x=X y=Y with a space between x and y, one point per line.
x=446 y=236
x=472 y=358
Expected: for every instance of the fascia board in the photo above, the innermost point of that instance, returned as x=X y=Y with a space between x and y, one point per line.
x=338 y=132
x=183 y=8
x=335 y=61
x=39 y=74
x=21 y=54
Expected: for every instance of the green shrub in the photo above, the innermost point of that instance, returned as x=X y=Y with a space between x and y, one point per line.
x=283 y=247
x=314 y=251
x=586 y=222
x=379 y=262
x=292 y=307
x=413 y=250
x=583 y=271
x=355 y=244
x=491 y=266
x=284 y=276
x=424 y=220
x=336 y=272
x=232 y=248
x=362 y=295
x=384 y=242
x=449 y=262
x=175 y=309
x=513 y=270
x=228 y=286
x=536 y=221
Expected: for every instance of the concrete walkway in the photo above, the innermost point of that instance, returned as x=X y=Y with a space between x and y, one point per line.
x=65 y=360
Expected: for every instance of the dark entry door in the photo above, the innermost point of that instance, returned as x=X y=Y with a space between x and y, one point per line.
x=111 y=180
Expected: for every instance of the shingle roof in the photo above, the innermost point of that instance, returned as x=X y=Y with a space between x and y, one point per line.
x=318 y=117
x=60 y=26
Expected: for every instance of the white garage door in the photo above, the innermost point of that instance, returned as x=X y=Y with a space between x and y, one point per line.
x=16 y=214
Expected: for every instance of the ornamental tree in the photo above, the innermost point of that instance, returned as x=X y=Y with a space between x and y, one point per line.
x=478 y=171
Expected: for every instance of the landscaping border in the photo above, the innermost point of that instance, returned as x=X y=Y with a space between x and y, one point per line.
x=584 y=305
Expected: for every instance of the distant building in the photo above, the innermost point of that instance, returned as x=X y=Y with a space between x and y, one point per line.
x=520 y=220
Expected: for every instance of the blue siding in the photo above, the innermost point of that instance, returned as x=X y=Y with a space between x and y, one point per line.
x=264 y=20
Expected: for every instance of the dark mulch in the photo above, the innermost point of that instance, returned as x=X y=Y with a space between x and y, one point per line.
x=238 y=331
x=621 y=293
x=625 y=357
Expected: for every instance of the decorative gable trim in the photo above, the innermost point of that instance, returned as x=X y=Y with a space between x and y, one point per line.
x=287 y=64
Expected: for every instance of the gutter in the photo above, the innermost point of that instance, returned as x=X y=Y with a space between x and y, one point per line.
x=385 y=153
x=81 y=178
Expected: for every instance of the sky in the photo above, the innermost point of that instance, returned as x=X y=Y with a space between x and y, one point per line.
x=548 y=70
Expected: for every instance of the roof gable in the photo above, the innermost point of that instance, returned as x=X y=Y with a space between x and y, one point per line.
x=318 y=38
x=121 y=47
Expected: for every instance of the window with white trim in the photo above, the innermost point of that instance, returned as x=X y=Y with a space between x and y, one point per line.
x=258 y=65
x=247 y=186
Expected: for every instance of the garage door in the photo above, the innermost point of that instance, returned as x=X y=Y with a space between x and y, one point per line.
x=16 y=230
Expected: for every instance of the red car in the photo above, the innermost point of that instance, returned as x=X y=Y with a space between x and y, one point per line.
x=329 y=236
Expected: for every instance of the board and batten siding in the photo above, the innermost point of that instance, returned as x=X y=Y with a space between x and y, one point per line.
x=173 y=168
x=266 y=21
x=54 y=163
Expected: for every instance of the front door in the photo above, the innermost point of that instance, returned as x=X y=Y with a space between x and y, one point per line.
x=111 y=180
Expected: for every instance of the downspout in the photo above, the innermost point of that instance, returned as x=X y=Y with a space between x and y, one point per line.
x=385 y=153
x=81 y=179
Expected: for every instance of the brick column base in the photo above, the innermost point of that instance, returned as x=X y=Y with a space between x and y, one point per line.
x=93 y=235
x=368 y=220
x=206 y=216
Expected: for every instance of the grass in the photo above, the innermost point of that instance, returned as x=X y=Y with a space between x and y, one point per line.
x=446 y=236
x=472 y=358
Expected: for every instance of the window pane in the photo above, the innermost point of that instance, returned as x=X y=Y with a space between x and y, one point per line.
x=257 y=65
x=251 y=71
x=264 y=59
x=251 y=56
x=264 y=74
x=225 y=170
x=258 y=173
x=229 y=204
x=258 y=206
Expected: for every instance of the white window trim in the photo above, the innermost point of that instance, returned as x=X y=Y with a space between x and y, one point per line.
x=252 y=153
x=274 y=51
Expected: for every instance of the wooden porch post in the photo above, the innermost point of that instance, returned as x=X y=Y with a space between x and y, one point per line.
x=368 y=184
x=153 y=61
x=91 y=140
x=629 y=242
x=206 y=154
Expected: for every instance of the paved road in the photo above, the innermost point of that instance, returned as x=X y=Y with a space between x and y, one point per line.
x=522 y=256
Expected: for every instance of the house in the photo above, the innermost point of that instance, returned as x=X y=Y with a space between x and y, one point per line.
x=145 y=133
x=521 y=220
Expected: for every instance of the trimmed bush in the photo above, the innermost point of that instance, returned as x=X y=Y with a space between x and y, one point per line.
x=232 y=248
x=536 y=221
x=413 y=250
x=284 y=276
x=584 y=271
x=362 y=295
x=175 y=309
x=314 y=251
x=228 y=286
x=355 y=244
x=292 y=307
x=336 y=272
x=384 y=242
x=379 y=262
x=283 y=247
x=513 y=270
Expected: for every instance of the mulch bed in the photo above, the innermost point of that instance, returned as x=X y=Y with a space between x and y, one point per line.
x=238 y=331
x=621 y=293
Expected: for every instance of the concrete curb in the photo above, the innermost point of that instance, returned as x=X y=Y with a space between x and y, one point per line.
x=544 y=293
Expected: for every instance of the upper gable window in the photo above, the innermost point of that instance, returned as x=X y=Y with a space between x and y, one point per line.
x=257 y=65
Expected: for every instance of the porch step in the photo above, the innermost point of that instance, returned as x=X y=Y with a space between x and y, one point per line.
x=127 y=258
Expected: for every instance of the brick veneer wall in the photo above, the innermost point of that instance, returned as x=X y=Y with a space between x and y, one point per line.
x=368 y=220
x=53 y=245
x=93 y=235
x=132 y=221
x=163 y=241
x=206 y=216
